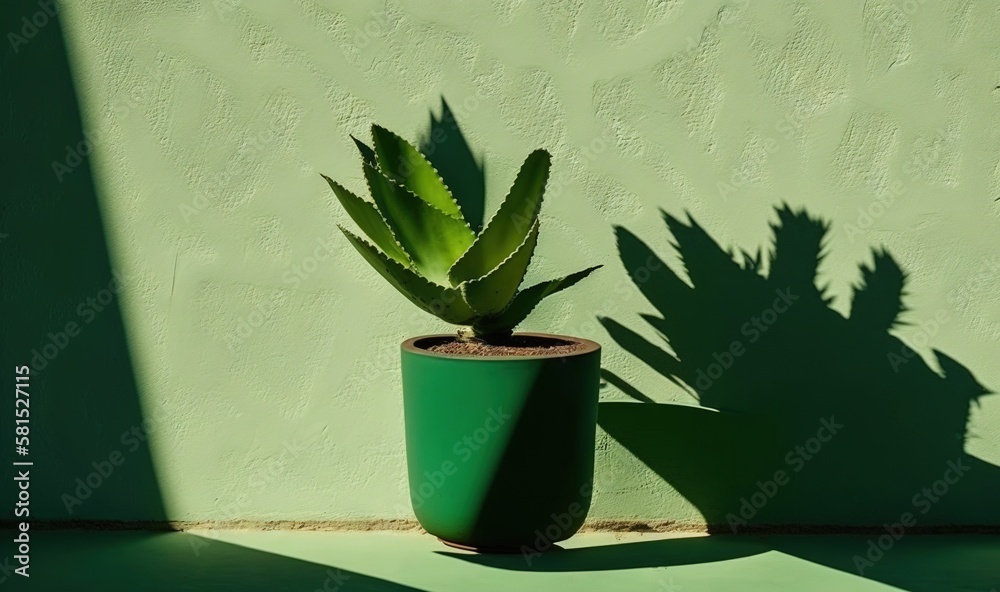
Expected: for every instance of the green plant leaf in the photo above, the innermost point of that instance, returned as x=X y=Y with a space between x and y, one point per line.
x=432 y=239
x=367 y=154
x=511 y=223
x=492 y=293
x=443 y=302
x=370 y=221
x=403 y=163
x=526 y=300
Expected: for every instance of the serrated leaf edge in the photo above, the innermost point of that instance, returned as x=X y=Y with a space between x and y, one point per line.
x=586 y=272
x=496 y=213
x=461 y=214
x=363 y=148
x=535 y=228
x=392 y=234
x=414 y=196
x=415 y=273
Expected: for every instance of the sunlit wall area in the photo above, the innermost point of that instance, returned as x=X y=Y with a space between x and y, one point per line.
x=265 y=351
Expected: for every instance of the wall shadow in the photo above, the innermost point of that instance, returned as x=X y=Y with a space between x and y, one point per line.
x=63 y=318
x=806 y=418
x=124 y=561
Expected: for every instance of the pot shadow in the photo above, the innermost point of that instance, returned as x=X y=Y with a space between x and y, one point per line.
x=632 y=555
x=921 y=564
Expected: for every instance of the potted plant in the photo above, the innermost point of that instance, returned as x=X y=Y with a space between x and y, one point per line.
x=500 y=426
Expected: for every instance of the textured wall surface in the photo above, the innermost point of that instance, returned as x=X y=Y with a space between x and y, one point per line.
x=265 y=351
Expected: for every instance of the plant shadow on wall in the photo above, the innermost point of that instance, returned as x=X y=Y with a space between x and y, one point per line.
x=448 y=151
x=807 y=420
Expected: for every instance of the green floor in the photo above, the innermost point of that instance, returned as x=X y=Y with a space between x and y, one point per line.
x=310 y=561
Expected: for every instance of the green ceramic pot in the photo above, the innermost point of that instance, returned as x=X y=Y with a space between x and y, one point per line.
x=500 y=449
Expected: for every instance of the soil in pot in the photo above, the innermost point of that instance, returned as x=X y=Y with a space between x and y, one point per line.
x=515 y=345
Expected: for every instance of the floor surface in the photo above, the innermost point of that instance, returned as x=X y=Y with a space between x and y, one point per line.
x=342 y=561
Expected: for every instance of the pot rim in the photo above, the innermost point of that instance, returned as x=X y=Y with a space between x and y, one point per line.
x=591 y=346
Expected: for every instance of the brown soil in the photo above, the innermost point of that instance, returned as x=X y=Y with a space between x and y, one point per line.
x=517 y=345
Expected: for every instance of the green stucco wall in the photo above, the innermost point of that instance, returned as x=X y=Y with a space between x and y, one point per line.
x=264 y=350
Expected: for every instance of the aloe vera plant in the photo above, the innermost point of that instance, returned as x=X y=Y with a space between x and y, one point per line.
x=422 y=244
